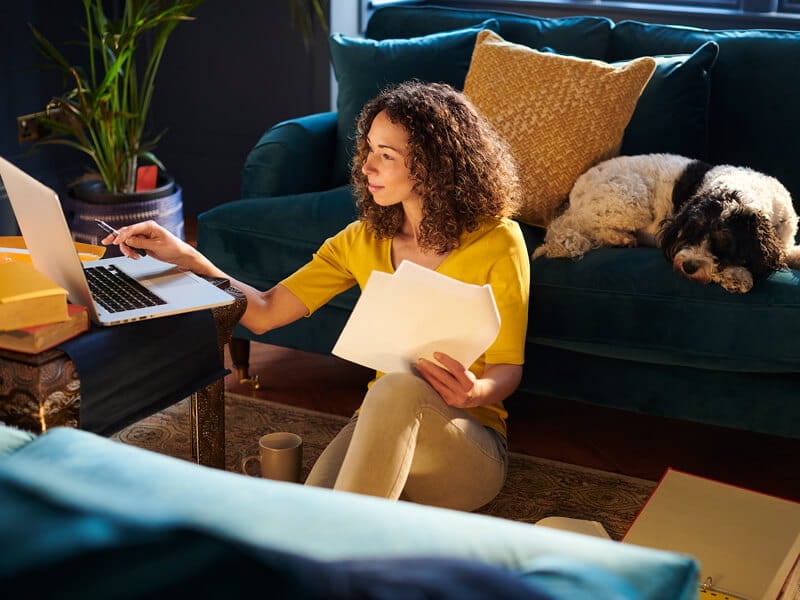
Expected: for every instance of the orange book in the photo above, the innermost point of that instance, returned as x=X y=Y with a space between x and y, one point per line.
x=35 y=339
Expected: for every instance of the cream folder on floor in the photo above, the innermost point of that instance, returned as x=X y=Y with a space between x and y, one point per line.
x=413 y=313
x=747 y=543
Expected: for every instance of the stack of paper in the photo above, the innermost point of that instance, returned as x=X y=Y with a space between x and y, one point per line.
x=413 y=313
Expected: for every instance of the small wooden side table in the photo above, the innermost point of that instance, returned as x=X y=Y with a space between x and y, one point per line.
x=40 y=391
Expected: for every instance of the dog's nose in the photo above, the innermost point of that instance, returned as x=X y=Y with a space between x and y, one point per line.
x=689 y=267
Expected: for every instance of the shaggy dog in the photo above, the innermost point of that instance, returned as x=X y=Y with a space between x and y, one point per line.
x=724 y=224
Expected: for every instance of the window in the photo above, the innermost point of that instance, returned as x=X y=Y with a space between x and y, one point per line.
x=789 y=6
x=724 y=4
x=713 y=14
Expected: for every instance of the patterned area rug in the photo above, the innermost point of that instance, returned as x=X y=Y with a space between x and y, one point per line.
x=535 y=488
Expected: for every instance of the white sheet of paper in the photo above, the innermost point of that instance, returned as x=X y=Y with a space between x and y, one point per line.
x=413 y=313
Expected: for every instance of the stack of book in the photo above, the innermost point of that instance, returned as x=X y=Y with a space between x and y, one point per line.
x=34 y=312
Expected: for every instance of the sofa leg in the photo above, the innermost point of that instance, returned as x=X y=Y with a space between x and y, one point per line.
x=240 y=357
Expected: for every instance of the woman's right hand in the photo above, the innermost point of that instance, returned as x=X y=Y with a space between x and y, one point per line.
x=265 y=310
x=158 y=243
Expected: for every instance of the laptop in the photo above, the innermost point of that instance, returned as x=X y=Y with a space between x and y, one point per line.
x=159 y=289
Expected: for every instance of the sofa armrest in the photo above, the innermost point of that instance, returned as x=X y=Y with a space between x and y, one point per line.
x=70 y=497
x=11 y=438
x=292 y=157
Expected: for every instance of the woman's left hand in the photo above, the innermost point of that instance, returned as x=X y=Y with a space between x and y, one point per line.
x=454 y=382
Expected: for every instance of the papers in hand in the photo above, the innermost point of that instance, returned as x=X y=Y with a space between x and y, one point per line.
x=413 y=313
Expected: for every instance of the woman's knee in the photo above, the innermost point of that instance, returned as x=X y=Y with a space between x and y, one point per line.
x=326 y=468
x=397 y=391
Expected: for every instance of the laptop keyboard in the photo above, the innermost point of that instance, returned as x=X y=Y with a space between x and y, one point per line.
x=116 y=291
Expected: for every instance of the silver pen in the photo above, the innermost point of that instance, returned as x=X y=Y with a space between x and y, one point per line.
x=109 y=229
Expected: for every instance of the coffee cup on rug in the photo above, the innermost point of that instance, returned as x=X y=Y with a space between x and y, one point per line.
x=280 y=456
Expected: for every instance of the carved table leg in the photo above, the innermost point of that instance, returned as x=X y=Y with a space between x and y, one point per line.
x=207 y=418
x=207 y=406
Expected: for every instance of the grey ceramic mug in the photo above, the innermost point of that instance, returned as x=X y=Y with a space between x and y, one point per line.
x=280 y=456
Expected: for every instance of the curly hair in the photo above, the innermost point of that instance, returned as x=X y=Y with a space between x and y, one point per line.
x=461 y=167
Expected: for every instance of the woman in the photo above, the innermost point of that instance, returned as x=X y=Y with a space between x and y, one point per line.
x=436 y=186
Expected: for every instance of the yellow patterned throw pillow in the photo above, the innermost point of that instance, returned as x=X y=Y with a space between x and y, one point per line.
x=560 y=115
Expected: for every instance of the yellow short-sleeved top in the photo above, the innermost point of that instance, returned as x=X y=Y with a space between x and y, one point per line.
x=495 y=254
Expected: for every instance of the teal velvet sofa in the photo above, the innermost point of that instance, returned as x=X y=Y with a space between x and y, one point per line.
x=617 y=328
x=85 y=517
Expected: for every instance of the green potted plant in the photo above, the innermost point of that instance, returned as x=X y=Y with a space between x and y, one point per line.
x=104 y=114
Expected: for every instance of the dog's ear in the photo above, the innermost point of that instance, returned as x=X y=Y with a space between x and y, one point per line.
x=688 y=183
x=690 y=225
x=757 y=240
x=667 y=238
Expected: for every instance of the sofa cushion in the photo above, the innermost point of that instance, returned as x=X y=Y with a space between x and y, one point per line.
x=71 y=494
x=87 y=553
x=12 y=438
x=559 y=114
x=766 y=403
x=628 y=303
x=365 y=66
x=672 y=113
x=754 y=90
x=584 y=36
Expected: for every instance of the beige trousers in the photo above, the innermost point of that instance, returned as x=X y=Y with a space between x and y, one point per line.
x=407 y=443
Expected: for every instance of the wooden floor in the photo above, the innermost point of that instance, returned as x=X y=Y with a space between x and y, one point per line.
x=611 y=440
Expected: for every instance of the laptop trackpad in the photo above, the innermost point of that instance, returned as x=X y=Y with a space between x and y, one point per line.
x=171 y=283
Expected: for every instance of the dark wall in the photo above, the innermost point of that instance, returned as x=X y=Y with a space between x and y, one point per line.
x=239 y=68
x=226 y=77
x=26 y=89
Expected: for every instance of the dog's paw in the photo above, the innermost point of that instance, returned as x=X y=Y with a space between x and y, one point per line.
x=793 y=257
x=556 y=251
x=736 y=280
x=540 y=251
x=619 y=238
x=564 y=244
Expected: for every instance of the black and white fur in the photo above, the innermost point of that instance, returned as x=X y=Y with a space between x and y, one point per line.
x=724 y=224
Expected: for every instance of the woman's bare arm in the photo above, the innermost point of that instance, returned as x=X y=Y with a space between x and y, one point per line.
x=266 y=310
